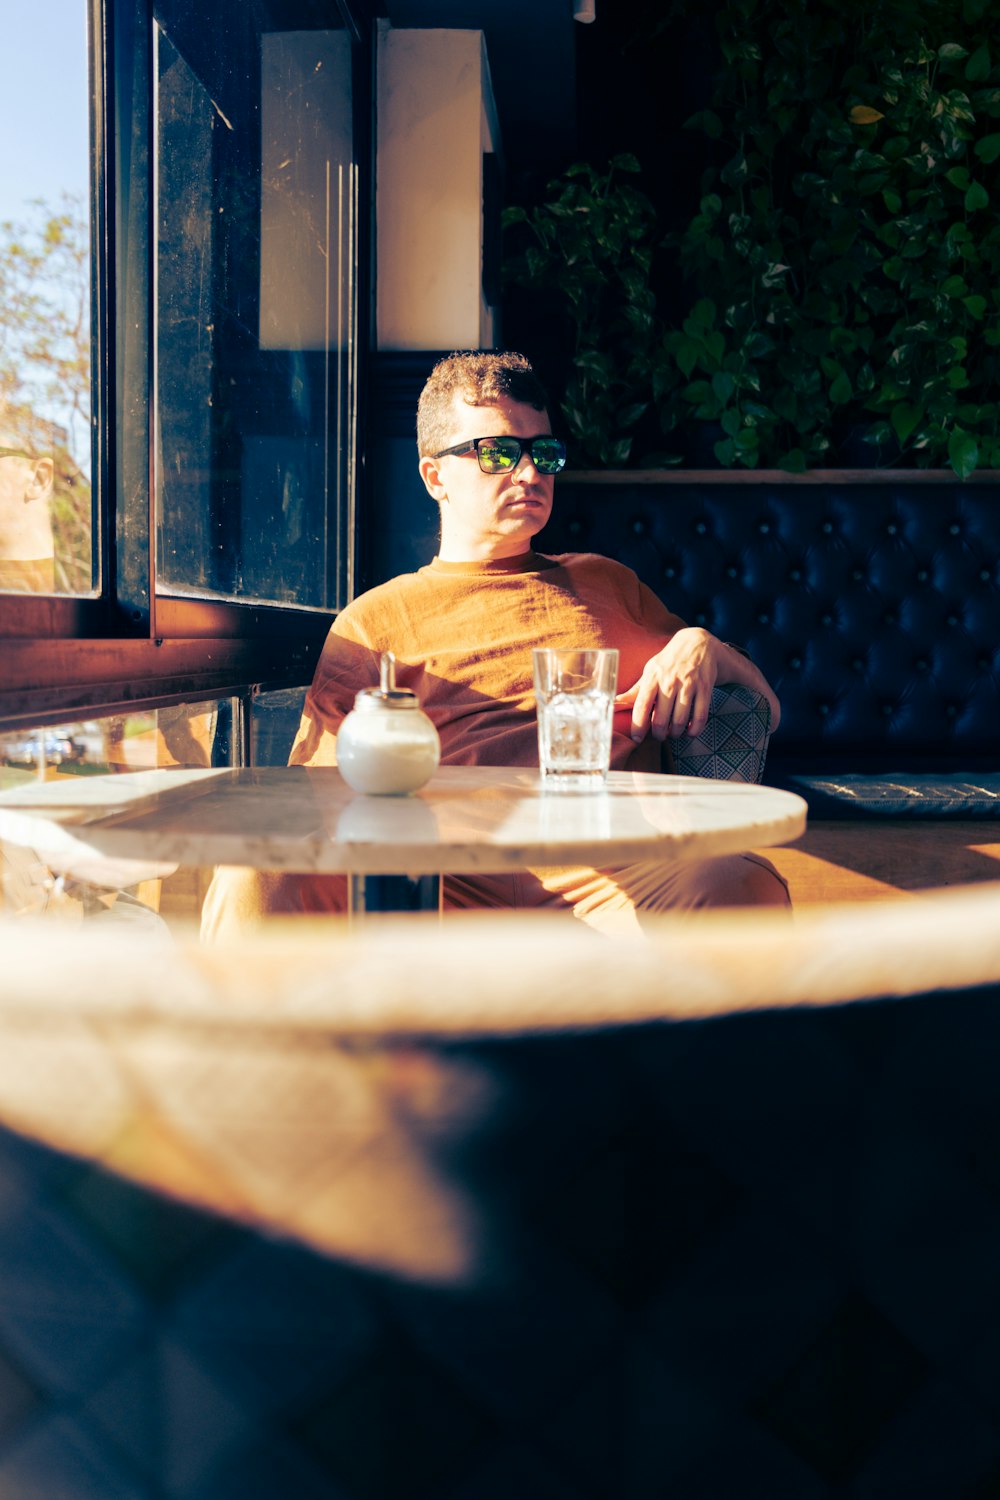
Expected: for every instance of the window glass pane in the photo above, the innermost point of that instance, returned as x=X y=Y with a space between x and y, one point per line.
x=186 y=734
x=45 y=366
x=255 y=301
x=274 y=723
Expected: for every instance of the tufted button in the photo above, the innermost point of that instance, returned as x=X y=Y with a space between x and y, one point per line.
x=857 y=664
x=794 y=662
x=796 y=575
x=827 y=527
x=638 y=527
x=887 y=710
x=763 y=619
x=823 y=710
x=921 y=664
x=700 y=619
x=826 y=619
x=985 y=575
x=922 y=576
x=889 y=619
x=891 y=529
x=730 y=572
x=954 y=529
x=575 y=528
x=983 y=664
x=951 y=710
x=953 y=619
x=764 y=528
x=700 y=527
x=857 y=575
x=670 y=572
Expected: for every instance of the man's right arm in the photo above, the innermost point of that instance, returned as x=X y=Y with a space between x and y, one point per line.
x=345 y=667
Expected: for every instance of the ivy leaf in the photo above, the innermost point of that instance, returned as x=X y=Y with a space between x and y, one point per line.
x=988 y=149
x=840 y=389
x=863 y=114
x=976 y=306
x=959 y=178
x=707 y=121
x=723 y=386
x=977 y=69
x=736 y=170
x=976 y=197
x=793 y=462
x=686 y=354
x=904 y=419
x=629 y=415
x=963 y=453
x=952 y=51
x=703 y=313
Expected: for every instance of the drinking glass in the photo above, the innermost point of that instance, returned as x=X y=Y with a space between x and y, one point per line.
x=575 y=694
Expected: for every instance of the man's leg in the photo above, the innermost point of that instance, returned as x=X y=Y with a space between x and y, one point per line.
x=607 y=900
x=239 y=900
x=618 y=900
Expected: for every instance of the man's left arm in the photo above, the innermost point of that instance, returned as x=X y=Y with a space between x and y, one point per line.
x=674 y=692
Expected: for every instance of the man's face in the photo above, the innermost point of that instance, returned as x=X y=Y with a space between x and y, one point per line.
x=15 y=478
x=25 y=486
x=489 y=515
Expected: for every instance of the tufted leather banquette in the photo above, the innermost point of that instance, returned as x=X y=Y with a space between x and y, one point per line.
x=871 y=604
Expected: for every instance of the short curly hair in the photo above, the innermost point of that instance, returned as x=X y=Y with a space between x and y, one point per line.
x=480 y=379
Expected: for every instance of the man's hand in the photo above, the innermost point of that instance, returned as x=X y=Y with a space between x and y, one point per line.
x=674 y=693
x=675 y=689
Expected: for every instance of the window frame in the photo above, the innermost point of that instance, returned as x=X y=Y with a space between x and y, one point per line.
x=128 y=644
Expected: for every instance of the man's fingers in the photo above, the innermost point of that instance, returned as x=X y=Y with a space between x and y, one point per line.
x=699 y=709
x=643 y=706
x=681 y=709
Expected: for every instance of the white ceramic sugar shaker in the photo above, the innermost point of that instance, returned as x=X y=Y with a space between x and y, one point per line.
x=387 y=746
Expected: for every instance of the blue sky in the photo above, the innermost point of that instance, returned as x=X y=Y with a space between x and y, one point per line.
x=43 y=102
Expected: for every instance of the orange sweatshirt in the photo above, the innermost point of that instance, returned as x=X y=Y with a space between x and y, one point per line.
x=463 y=634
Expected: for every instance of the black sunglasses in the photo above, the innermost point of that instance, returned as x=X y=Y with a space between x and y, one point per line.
x=498 y=455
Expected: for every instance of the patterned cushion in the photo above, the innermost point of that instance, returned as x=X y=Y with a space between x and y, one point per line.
x=902 y=794
x=733 y=744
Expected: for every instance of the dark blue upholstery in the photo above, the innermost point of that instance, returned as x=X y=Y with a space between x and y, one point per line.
x=873 y=608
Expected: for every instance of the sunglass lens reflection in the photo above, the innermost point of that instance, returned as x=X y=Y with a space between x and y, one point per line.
x=499 y=455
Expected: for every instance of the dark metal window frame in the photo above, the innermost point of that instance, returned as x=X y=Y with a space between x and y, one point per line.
x=128 y=645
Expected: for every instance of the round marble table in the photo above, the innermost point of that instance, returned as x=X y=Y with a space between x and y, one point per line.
x=116 y=830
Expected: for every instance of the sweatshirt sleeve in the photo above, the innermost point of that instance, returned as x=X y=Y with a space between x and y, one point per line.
x=348 y=663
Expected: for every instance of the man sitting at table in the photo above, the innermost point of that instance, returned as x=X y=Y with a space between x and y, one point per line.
x=462 y=630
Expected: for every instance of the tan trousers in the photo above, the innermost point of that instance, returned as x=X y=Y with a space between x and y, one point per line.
x=614 y=901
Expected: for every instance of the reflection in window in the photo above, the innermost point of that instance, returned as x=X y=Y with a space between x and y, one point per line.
x=255 y=303
x=45 y=292
x=203 y=734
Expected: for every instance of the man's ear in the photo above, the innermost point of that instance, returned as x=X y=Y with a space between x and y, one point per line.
x=39 y=486
x=431 y=475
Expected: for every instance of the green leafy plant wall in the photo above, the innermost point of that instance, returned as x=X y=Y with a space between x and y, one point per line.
x=842 y=268
x=592 y=244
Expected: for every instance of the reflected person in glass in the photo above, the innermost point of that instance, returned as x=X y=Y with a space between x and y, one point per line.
x=463 y=628
x=27 y=548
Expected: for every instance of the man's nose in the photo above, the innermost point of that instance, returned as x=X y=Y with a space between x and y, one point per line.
x=525 y=462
